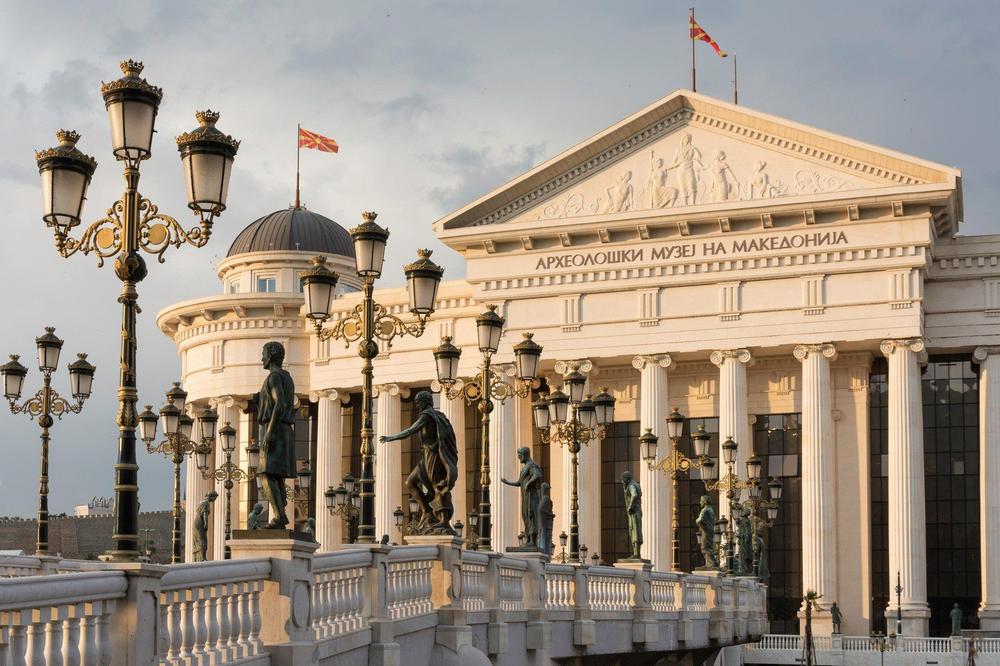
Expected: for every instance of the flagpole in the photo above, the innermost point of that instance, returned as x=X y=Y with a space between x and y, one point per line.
x=736 y=94
x=298 y=153
x=694 y=81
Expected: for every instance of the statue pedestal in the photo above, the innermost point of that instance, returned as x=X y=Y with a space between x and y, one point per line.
x=285 y=598
x=634 y=564
x=523 y=549
x=531 y=555
x=433 y=540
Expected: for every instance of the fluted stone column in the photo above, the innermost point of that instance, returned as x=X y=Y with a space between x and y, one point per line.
x=657 y=498
x=819 y=465
x=989 y=485
x=388 y=462
x=734 y=420
x=327 y=470
x=454 y=410
x=505 y=509
x=228 y=411
x=907 y=525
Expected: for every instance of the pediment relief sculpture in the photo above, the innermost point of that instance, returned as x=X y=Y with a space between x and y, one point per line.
x=693 y=167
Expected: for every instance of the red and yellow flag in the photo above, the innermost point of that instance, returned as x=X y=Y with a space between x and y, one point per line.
x=309 y=139
x=697 y=32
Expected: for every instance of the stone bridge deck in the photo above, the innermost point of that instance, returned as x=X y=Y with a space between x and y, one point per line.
x=279 y=603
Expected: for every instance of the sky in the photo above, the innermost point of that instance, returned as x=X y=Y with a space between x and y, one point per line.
x=434 y=103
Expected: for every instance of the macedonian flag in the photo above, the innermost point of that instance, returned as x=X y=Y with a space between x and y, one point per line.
x=697 y=32
x=309 y=139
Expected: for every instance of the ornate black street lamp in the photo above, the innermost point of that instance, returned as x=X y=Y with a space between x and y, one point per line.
x=588 y=420
x=44 y=405
x=370 y=321
x=131 y=224
x=228 y=472
x=483 y=389
x=674 y=465
x=344 y=501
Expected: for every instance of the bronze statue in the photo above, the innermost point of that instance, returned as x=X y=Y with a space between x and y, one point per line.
x=253 y=520
x=309 y=527
x=545 y=519
x=706 y=532
x=956 y=620
x=276 y=414
x=200 y=526
x=744 y=542
x=836 y=617
x=432 y=480
x=763 y=573
x=530 y=483
x=633 y=510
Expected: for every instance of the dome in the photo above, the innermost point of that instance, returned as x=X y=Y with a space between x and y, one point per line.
x=294 y=230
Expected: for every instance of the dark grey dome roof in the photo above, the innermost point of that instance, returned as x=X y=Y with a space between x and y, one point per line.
x=294 y=229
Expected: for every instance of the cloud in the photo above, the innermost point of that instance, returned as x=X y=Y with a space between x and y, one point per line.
x=473 y=172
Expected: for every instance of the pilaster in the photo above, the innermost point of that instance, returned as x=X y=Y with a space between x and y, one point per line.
x=819 y=500
x=504 y=500
x=907 y=536
x=656 y=486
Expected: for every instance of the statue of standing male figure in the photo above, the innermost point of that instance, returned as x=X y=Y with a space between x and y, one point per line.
x=706 y=533
x=200 y=527
x=276 y=415
x=432 y=480
x=633 y=510
x=530 y=483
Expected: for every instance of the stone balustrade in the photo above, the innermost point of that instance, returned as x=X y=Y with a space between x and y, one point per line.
x=867 y=650
x=277 y=602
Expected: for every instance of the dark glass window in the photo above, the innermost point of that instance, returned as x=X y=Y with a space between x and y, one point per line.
x=878 y=444
x=619 y=451
x=778 y=440
x=305 y=452
x=690 y=489
x=951 y=471
x=350 y=448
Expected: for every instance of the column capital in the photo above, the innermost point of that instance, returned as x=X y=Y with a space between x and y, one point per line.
x=915 y=345
x=583 y=365
x=719 y=356
x=391 y=389
x=223 y=401
x=801 y=352
x=327 y=394
x=662 y=360
x=980 y=353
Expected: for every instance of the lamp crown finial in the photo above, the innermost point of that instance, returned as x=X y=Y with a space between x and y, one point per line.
x=207 y=118
x=424 y=253
x=14 y=357
x=319 y=260
x=528 y=335
x=131 y=67
x=68 y=137
x=492 y=307
x=369 y=216
x=446 y=338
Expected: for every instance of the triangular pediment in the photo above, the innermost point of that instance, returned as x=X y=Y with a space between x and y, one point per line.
x=688 y=151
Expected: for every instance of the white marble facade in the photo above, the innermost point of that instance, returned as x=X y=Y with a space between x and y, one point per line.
x=699 y=255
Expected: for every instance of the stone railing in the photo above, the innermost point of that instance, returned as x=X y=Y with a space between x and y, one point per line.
x=838 y=648
x=277 y=602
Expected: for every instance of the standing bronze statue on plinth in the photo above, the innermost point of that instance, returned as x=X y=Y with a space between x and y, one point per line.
x=530 y=483
x=633 y=511
x=432 y=480
x=200 y=527
x=706 y=533
x=276 y=415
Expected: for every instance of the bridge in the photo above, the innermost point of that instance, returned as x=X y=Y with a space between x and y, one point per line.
x=278 y=603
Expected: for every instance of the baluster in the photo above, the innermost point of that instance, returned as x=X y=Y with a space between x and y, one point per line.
x=357 y=601
x=255 y=616
x=88 y=636
x=53 y=639
x=71 y=638
x=222 y=620
x=327 y=604
x=337 y=604
x=173 y=626
x=104 y=634
x=18 y=637
x=201 y=626
x=187 y=625
x=163 y=628
x=35 y=654
x=233 y=613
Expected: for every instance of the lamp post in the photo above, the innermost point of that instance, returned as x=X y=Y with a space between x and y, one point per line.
x=899 y=605
x=731 y=484
x=483 y=389
x=131 y=224
x=44 y=405
x=588 y=420
x=675 y=464
x=763 y=509
x=397 y=517
x=178 y=429
x=368 y=321
x=473 y=535
x=344 y=501
x=228 y=472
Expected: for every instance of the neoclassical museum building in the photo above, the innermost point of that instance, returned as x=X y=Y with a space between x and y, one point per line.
x=807 y=294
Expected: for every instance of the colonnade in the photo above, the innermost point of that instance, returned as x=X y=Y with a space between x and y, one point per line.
x=906 y=502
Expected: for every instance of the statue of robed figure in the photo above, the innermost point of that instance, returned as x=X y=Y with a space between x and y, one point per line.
x=633 y=511
x=432 y=480
x=276 y=415
x=200 y=526
x=530 y=483
x=706 y=532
